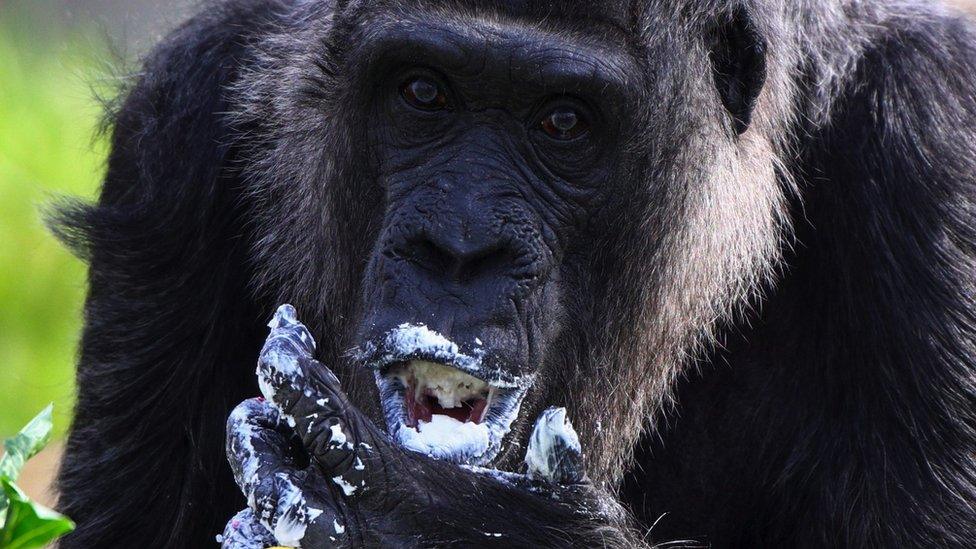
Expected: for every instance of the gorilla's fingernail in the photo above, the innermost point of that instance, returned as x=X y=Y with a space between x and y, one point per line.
x=554 y=452
x=286 y=324
x=284 y=316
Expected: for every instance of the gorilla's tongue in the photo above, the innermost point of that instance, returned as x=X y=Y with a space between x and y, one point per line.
x=434 y=389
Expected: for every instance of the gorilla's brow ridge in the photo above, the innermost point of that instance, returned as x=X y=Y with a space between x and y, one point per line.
x=531 y=55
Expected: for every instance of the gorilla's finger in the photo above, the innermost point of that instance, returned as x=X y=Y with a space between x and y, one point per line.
x=245 y=531
x=283 y=506
x=258 y=448
x=258 y=443
x=313 y=403
x=285 y=324
x=280 y=377
x=290 y=377
x=334 y=432
x=554 y=453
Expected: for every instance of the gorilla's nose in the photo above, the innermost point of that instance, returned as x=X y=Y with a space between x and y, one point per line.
x=459 y=258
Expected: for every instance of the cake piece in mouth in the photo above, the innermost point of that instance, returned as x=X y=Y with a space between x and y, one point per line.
x=435 y=389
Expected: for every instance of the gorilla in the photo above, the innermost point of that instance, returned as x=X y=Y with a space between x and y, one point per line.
x=560 y=273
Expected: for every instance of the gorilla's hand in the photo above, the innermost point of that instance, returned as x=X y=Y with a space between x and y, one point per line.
x=317 y=473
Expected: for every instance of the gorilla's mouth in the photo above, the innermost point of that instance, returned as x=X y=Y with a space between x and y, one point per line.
x=433 y=389
x=440 y=401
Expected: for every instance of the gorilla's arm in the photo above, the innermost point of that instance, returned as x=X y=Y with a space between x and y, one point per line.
x=352 y=487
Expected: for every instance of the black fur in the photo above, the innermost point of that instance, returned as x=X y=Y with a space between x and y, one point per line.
x=807 y=199
x=168 y=323
x=843 y=414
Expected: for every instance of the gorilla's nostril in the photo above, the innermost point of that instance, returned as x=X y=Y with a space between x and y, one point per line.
x=459 y=260
x=425 y=253
x=491 y=259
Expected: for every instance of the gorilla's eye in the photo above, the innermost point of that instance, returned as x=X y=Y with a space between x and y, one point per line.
x=423 y=94
x=564 y=124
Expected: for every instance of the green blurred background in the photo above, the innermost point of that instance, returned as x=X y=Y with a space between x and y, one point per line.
x=47 y=148
x=54 y=57
x=53 y=54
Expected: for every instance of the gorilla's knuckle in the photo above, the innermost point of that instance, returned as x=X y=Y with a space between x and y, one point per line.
x=240 y=415
x=255 y=407
x=323 y=434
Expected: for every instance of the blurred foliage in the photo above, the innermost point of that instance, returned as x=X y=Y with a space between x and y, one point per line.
x=48 y=148
x=24 y=523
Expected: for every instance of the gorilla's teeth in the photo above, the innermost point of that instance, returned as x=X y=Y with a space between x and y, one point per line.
x=449 y=385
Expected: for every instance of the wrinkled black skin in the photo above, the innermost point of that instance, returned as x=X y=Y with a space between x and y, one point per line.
x=481 y=209
x=819 y=422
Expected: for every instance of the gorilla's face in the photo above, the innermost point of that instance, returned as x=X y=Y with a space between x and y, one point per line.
x=499 y=211
x=493 y=149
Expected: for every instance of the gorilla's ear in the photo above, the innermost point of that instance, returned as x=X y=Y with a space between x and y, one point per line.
x=738 y=55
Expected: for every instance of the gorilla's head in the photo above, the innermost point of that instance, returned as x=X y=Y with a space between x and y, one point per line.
x=486 y=210
x=495 y=159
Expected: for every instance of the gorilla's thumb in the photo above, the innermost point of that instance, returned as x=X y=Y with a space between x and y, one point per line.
x=554 y=453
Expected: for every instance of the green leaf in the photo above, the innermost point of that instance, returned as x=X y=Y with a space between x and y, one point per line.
x=21 y=447
x=25 y=444
x=30 y=524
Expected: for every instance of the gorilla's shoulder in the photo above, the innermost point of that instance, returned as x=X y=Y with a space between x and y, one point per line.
x=924 y=37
